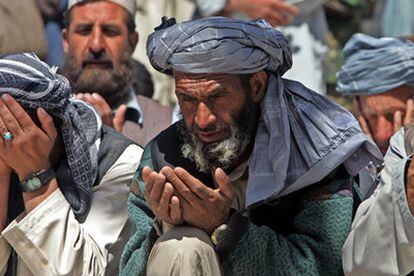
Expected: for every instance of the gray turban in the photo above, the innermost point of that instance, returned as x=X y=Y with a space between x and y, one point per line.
x=34 y=84
x=301 y=136
x=375 y=65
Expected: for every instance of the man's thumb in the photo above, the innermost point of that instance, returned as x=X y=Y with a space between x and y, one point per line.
x=223 y=182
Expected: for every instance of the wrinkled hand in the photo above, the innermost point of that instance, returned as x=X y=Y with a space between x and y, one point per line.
x=160 y=197
x=276 y=12
x=29 y=150
x=102 y=107
x=398 y=120
x=5 y=172
x=201 y=206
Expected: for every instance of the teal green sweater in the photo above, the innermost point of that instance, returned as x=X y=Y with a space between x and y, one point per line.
x=301 y=235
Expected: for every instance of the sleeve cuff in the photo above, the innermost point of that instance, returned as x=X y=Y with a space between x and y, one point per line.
x=4 y=255
x=39 y=218
x=398 y=180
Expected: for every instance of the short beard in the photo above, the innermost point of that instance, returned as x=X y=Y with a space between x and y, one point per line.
x=113 y=84
x=226 y=153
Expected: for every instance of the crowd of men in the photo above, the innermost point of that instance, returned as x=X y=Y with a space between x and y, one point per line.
x=256 y=175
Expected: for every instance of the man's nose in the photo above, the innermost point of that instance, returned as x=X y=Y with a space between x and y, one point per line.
x=204 y=116
x=97 y=42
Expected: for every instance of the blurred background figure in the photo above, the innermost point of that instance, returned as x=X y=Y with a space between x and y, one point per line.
x=21 y=28
x=99 y=39
x=379 y=73
x=52 y=15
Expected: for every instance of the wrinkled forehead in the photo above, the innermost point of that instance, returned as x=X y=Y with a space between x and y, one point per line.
x=219 y=78
x=387 y=102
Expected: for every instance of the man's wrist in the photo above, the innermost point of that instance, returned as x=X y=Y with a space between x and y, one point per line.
x=25 y=173
x=226 y=236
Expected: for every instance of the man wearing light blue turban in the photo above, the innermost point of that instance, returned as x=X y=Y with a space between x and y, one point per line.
x=380 y=72
x=256 y=177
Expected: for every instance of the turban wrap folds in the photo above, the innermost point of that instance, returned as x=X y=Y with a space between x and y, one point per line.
x=34 y=84
x=301 y=136
x=375 y=65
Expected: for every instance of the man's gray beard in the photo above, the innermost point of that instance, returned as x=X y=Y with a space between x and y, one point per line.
x=111 y=83
x=222 y=154
x=217 y=155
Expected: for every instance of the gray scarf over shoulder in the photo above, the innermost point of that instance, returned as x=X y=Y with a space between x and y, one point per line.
x=34 y=84
x=302 y=136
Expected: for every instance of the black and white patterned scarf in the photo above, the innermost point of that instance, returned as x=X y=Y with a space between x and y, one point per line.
x=34 y=84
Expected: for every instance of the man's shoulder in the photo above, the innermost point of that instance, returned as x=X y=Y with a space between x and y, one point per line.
x=150 y=106
x=113 y=145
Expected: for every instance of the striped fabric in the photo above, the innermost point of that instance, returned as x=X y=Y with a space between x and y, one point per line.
x=375 y=65
x=302 y=136
x=34 y=84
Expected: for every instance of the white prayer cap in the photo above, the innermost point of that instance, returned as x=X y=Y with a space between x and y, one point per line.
x=129 y=5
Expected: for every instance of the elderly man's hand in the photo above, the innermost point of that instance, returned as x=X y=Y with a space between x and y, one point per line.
x=201 y=206
x=276 y=12
x=398 y=120
x=160 y=197
x=28 y=151
x=5 y=172
x=102 y=107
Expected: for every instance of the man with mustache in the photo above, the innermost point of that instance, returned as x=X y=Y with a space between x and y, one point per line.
x=99 y=39
x=256 y=177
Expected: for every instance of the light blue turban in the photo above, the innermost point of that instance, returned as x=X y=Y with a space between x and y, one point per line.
x=375 y=65
x=302 y=136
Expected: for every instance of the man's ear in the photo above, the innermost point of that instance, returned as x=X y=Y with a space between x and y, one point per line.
x=65 y=39
x=258 y=84
x=133 y=40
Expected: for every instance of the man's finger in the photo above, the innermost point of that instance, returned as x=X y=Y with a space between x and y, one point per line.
x=364 y=126
x=157 y=186
x=9 y=120
x=223 y=183
x=195 y=185
x=146 y=171
x=409 y=112
x=100 y=101
x=175 y=211
x=164 y=204
x=179 y=186
x=18 y=112
x=48 y=126
x=397 y=120
x=119 y=118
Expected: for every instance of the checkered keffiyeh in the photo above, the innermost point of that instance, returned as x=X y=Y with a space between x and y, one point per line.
x=34 y=84
x=301 y=136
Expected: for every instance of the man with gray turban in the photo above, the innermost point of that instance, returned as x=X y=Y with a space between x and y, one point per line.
x=255 y=179
x=380 y=73
x=63 y=177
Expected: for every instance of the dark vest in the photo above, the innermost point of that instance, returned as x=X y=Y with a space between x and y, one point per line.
x=112 y=146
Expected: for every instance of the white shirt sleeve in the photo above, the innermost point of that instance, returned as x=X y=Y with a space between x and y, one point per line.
x=381 y=241
x=50 y=241
x=4 y=255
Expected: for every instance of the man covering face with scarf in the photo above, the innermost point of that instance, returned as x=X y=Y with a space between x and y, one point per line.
x=255 y=180
x=63 y=177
